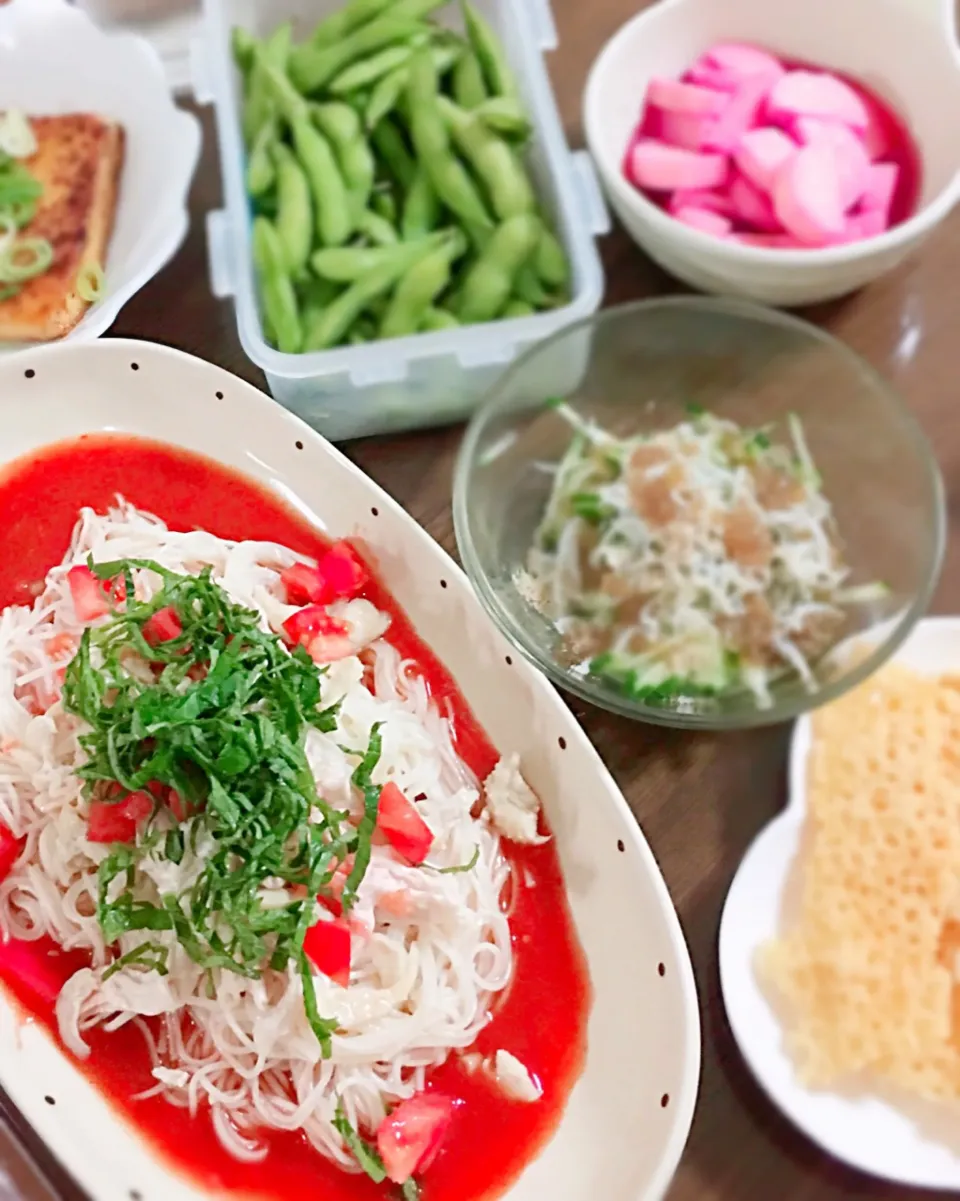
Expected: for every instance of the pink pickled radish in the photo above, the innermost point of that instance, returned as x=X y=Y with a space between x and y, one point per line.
x=704 y=220
x=817 y=94
x=715 y=202
x=879 y=189
x=865 y=225
x=739 y=115
x=664 y=168
x=684 y=130
x=761 y=153
x=753 y=207
x=876 y=139
x=676 y=97
x=807 y=196
x=853 y=162
x=742 y=60
x=709 y=76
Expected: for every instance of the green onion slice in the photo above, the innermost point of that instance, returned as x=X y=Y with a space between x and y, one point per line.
x=91 y=285
x=25 y=259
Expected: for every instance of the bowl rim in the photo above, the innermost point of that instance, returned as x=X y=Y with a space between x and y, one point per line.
x=581 y=686
x=897 y=237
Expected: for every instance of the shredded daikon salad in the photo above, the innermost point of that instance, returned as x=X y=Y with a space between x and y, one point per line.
x=690 y=563
x=284 y=863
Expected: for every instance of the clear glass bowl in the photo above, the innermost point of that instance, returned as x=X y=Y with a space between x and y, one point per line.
x=638 y=369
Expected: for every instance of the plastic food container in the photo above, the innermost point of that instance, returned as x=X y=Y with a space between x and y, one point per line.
x=427 y=379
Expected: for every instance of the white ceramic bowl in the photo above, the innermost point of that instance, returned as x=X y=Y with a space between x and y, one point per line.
x=910 y=1143
x=616 y=1138
x=53 y=59
x=904 y=50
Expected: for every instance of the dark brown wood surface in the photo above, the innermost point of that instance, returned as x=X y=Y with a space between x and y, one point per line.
x=700 y=799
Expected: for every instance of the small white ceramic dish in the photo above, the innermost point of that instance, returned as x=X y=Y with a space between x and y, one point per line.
x=53 y=59
x=629 y=1114
x=863 y=1129
x=866 y=39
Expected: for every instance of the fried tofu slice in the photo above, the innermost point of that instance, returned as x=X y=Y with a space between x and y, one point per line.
x=78 y=161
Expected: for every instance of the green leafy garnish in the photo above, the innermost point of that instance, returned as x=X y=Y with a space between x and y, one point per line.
x=363 y=1152
x=457 y=868
x=590 y=507
x=223 y=723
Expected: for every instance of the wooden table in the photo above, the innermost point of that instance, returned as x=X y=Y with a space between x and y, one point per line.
x=700 y=798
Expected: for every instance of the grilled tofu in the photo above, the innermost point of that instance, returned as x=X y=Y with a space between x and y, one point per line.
x=78 y=162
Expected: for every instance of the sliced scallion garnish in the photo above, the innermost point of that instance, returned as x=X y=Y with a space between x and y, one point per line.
x=91 y=284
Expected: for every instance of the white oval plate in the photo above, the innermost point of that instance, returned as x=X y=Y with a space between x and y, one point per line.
x=618 y=1138
x=860 y=1128
x=53 y=59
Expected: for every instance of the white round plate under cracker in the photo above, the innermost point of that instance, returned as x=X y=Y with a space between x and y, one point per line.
x=903 y=1140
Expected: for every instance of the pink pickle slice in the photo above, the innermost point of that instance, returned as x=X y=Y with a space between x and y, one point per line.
x=705 y=220
x=708 y=76
x=879 y=191
x=740 y=115
x=714 y=202
x=739 y=59
x=685 y=130
x=762 y=152
x=753 y=207
x=675 y=97
x=853 y=162
x=865 y=225
x=807 y=196
x=770 y=241
x=817 y=94
x=663 y=168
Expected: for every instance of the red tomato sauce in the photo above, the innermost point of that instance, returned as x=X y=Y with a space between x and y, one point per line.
x=542 y=1016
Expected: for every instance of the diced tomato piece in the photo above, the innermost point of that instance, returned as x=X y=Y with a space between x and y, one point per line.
x=401 y=824
x=117 y=588
x=10 y=849
x=117 y=821
x=327 y=946
x=409 y=1138
x=89 y=597
x=163 y=626
x=314 y=619
x=61 y=644
x=179 y=806
x=328 y=648
x=343 y=570
x=305 y=585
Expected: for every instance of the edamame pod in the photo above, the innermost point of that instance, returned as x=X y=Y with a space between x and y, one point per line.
x=378 y=229
x=294 y=216
x=343 y=127
x=504 y=116
x=259 y=104
x=489 y=282
x=421 y=209
x=416 y=291
x=347 y=264
x=333 y=216
x=336 y=320
x=492 y=159
x=281 y=315
x=390 y=144
x=311 y=67
x=243 y=45
x=353 y=14
x=469 y=90
x=449 y=177
x=550 y=261
x=435 y=319
x=490 y=53
x=261 y=173
x=370 y=70
x=387 y=94
x=517 y=308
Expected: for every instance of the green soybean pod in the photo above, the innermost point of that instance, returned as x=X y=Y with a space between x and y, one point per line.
x=416 y=292
x=259 y=104
x=357 y=12
x=333 y=215
x=379 y=230
x=243 y=46
x=261 y=173
x=334 y=323
x=436 y=319
x=277 y=294
x=294 y=214
x=384 y=204
x=346 y=264
x=342 y=125
x=389 y=143
x=550 y=261
x=505 y=116
x=528 y=288
x=490 y=53
x=370 y=70
x=430 y=138
x=492 y=159
x=489 y=283
x=469 y=90
x=312 y=67
x=517 y=308
x=421 y=208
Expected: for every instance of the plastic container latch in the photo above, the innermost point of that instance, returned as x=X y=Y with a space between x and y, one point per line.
x=218 y=255
x=589 y=195
x=543 y=27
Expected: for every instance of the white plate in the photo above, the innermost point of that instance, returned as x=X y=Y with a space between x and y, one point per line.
x=618 y=1139
x=53 y=59
x=862 y=1129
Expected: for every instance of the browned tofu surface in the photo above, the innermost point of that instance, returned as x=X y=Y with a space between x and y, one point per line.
x=78 y=162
